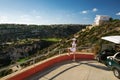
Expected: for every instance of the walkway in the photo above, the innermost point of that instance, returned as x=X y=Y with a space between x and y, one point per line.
x=78 y=70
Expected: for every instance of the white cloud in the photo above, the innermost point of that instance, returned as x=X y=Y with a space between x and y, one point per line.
x=84 y=12
x=38 y=17
x=25 y=18
x=118 y=13
x=88 y=11
x=95 y=9
x=3 y=18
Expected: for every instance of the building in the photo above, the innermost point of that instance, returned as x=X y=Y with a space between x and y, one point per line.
x=99 y=19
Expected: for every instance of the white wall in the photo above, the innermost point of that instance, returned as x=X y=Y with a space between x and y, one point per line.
x=99 y=18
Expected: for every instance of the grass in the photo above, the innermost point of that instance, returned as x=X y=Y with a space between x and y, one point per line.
x=31 y=40
x=22 y=60
x=52 y=39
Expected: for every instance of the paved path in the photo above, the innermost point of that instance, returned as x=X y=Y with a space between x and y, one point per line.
x=79 y=70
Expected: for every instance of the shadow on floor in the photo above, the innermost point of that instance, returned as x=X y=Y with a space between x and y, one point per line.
x=38 y=75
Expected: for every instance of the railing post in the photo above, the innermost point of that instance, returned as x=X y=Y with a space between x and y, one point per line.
x=59 y=52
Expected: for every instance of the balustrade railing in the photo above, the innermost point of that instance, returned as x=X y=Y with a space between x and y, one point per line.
x=21 y=65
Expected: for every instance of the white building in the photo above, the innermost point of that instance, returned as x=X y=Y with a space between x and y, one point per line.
x=99 y=19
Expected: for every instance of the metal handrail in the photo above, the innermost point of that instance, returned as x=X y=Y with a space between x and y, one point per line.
x=60 y=51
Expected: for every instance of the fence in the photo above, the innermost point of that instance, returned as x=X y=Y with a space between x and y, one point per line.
x=20 y=65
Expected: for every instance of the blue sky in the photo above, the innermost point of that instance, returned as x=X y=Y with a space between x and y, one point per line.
x=56 y=11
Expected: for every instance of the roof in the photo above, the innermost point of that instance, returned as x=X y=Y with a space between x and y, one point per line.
x=114 y=39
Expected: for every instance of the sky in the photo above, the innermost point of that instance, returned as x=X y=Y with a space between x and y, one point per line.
x=56 y=11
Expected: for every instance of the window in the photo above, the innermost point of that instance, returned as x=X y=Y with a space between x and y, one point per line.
x=117 y=56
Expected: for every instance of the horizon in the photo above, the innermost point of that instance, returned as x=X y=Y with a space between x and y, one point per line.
x=55 y=12
x=40 y=24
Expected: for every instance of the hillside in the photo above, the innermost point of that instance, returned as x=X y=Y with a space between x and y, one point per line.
x=13 y=32
x=19 y=41
x=91 y=36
